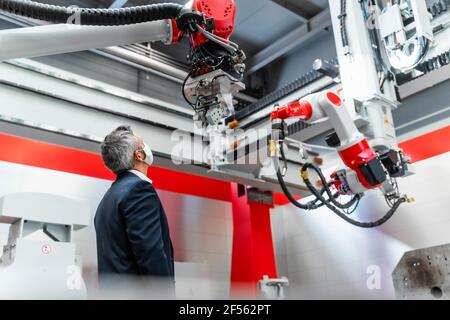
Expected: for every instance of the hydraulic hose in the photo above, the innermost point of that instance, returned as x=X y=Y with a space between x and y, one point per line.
x=360 y=224
x=312 y=205
x=331 y=202
x=323 y=201
x=342 y=18
x=327 y=190
x=290 y=197
x=326 y=185
x=307 y=206
x=92 y=17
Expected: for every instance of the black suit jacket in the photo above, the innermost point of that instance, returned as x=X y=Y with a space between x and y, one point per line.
x=132 y=230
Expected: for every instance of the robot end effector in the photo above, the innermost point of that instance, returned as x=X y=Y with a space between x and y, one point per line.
x=365 y=169
x=217 y=63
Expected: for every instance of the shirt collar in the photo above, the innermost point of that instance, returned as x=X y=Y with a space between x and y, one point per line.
x=141 y=176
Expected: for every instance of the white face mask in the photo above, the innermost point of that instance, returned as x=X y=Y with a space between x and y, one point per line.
x=148 y=154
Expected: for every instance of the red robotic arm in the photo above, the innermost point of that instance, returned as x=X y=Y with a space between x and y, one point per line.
x=352 y=146
x=217 y=64
x=298 y=109
x=222 y=11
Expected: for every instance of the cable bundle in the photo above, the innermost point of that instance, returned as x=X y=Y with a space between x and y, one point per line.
x=331 y=202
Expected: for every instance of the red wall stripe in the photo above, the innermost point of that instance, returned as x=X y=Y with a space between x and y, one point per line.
x=49 y=156
x=280 y=199
x=185 y=183
x=428 y=145
x=54 y=157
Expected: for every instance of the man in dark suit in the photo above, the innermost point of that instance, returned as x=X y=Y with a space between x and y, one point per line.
x=132 y=230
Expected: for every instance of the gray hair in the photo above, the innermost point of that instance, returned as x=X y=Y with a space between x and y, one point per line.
x=118 y=149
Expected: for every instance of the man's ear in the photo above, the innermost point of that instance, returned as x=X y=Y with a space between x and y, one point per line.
x=138 y=155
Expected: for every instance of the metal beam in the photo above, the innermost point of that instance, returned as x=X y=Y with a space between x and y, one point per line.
x=290 y=41
x=76 y=106
x=424 y=82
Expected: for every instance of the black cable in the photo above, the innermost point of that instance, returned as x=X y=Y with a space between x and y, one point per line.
x=319 y=203
x=346 y=205
x=389 y=198
x=360 y=224
x=312 y=204
x=342 y=17
x=283 y=156
x=287 y=193
x=184 y=94
x=350 y=211
x=382 y=83
x=89 y=16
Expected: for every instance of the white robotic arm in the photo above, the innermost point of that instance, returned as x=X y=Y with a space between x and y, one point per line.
x=370 y=55
x=52 y=39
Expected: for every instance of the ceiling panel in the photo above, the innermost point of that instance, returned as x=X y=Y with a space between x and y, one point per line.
x=304 y=9
x=257 y=26
x=320 y=3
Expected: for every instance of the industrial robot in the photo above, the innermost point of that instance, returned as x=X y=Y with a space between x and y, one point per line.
x=384 y=38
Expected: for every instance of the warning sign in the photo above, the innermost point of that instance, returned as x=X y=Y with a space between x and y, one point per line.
x=46 y=249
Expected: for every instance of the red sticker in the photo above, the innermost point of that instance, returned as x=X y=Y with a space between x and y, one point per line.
x=46 y=249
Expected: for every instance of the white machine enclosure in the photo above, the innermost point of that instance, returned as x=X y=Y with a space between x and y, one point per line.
x=363 y=87
x=39 y=260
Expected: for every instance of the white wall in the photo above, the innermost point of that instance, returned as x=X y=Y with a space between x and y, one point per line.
x=324 y=257
x=202 y=233
x=201 y=229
